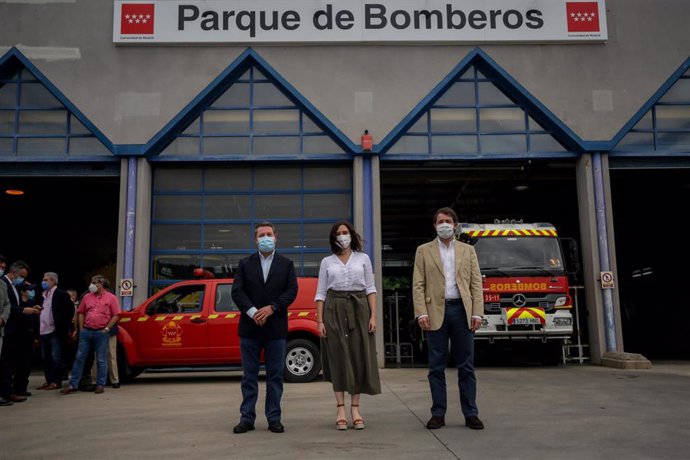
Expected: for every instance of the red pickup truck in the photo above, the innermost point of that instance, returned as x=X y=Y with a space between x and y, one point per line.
x=193 y=324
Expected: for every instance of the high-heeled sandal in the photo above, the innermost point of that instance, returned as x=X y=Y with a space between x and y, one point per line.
x=341 y=423
x=357 y=424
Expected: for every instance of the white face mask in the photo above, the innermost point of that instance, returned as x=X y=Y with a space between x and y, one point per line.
x=343 y=241
x=93 y=288
x=445 y=230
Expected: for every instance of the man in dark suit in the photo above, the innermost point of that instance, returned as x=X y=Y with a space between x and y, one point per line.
x=15 y=332
x=264 y=287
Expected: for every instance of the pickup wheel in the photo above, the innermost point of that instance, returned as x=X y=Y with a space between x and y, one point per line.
x=126 y=372
x=302 y=361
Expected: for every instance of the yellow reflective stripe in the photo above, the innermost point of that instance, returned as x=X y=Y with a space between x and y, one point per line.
x=160 y=318
x=125 y=320
x=195 y=316
x=142 y=319
x=303 y=313
x=177 y=317
x=289 y=313
x=506 y=232
x=213 y=316
x=230 y=315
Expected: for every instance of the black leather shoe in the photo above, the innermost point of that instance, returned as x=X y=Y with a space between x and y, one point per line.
x=435 y=423
x=116 y=385
x=23 y=393
x=242 y=427
x=276 y=427
x=5 y=402
x=474 y=422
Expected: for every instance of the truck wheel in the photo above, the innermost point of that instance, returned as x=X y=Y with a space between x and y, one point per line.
x=302 y=361
x=126 y=372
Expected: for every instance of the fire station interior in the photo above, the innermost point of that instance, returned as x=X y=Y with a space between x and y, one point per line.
x=67 y=225
x=652 y=250
x=652 y=255
x=480 y=193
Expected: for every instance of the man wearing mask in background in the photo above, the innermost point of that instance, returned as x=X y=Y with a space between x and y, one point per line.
x=15 y=332
x=449 y=304
x=264 y=287
x=4 y=314
x=98 y=312
x=55 y=319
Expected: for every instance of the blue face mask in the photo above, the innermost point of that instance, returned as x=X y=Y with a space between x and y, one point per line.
x=44 y=285
x=2 y=272
x=18 y=280
x=31 y=294
x=267 y=244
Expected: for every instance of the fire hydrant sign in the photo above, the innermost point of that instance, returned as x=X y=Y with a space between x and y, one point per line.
x=607 y=280
x=126 y=287
x=358 y=21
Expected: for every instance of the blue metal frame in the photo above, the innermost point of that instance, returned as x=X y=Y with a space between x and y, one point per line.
x=646 y=108
x=12 y=62
x=501 y=79
x=222 y=83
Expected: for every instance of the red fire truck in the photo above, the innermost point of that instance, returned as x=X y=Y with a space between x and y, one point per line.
x=525 y=283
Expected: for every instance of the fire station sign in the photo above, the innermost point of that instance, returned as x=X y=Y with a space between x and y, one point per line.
x=358 y=21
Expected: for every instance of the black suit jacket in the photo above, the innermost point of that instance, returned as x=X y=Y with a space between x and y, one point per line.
x=63 y=312
x=279 y=290
x=15 y=321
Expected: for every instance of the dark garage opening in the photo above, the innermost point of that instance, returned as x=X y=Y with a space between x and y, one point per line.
x=63 y=224
x=652 y=253
x=480 y=193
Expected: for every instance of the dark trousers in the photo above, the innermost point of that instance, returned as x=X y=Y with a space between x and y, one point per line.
x=462 y=344
x=51 y=348
x=15 y=363
x=274 y=352
x=25 y=351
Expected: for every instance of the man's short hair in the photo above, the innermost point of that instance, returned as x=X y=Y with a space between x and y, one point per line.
x=447 y=211
x=100 y=279
x=51 y=275
x=19 y=265
x=264 y=224
x=3 y=259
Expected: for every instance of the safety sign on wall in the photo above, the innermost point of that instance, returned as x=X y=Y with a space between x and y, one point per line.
x=607 y=280
x=126 y=287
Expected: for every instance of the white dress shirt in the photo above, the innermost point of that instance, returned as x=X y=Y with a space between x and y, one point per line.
x=448 y=260
x=354 y=275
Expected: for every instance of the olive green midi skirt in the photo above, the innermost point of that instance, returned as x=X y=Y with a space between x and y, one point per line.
x=348 y=351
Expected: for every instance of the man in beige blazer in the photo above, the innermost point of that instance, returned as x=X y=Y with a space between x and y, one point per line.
x=449 y=304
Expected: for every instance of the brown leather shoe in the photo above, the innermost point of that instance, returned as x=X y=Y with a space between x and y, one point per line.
x=99 y=389
x=435 y=423
x=68 y=389
x=43 y=387
x=474 y=422
x=52 y=386
x=17 y=399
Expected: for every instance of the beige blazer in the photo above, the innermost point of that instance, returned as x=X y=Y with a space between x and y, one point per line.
x=429 y=282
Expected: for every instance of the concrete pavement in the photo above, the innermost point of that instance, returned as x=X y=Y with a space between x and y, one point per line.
x=566 y=412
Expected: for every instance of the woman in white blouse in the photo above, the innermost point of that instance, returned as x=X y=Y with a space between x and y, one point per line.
x=346 y=307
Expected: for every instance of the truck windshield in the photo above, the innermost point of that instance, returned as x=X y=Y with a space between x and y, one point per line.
x=520 y=255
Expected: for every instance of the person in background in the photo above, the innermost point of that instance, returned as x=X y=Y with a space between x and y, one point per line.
x=56 y=315
x=346 y=310
x=449 y=304
x=15 y=331
x=113 y=373
x=4 y=314
x=98 y=312
x=264 y=287
x=31 y=310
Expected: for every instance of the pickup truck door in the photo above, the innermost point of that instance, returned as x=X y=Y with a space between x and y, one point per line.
x=174 y=327
x=223 y=321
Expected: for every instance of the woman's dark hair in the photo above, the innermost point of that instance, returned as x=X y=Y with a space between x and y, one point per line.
x=355 y=245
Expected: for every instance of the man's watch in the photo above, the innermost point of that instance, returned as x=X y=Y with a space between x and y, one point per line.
x=107 y=329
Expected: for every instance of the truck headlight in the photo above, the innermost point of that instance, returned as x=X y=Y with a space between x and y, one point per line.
x=561 y=301
x=562 y=321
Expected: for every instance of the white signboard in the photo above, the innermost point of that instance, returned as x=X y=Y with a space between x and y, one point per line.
x=358 y=21
x=126 y=287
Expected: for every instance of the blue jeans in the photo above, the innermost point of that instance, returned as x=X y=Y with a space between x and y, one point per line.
x=462 y=344
x=90 y=341
x=52 y=358
x=274 y=352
